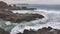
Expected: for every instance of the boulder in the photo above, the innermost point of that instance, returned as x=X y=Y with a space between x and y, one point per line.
x=26 y=31
x=19 y=33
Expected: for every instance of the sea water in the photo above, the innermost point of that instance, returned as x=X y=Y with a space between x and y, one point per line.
x=51 y=18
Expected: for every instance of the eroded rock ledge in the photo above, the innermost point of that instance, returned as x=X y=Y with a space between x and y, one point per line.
x=15 y=17
x=44 y=30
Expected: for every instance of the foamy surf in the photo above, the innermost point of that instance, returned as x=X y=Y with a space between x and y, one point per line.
x=28 y=25
x=52 y=19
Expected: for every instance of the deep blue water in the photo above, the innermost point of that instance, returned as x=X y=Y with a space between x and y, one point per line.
x=48 y=7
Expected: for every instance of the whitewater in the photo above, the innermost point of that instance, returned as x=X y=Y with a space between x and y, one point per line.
x=51 y=18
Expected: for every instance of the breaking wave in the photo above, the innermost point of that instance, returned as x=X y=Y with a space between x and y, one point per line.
x=52 y=19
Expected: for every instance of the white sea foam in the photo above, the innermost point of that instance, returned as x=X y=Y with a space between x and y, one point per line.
x=52 y=19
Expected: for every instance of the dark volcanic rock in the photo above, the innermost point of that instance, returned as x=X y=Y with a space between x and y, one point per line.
x=26 y=32
x=14 y=17
x=2 y=31
x=29 y=31
x=49 y=28
x=19 y=33
x=44 y=30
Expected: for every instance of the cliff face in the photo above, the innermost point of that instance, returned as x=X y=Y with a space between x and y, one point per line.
x=15 y=17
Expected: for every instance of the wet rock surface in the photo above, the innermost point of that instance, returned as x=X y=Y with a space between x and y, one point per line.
x=15 y=17
x=44 y=30
x=2 y=31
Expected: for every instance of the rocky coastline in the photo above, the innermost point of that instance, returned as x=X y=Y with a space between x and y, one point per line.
x=44 y=30
x=6 y=14
x=4 y=5
x=16 y=17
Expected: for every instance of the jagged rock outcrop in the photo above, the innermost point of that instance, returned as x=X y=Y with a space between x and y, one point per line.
x=2 y=31
x=44 y=30
x=4 y=5
x=15 y=17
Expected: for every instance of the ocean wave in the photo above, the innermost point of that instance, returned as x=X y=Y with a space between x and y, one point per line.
x=52 y=19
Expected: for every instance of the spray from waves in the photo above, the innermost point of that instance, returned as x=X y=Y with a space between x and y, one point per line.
x=28 y=25
x=52 y=19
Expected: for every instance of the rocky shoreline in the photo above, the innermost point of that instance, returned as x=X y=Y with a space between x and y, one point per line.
x=4 y=5
x=44 y=30
x=6 y=14
x=16 y=17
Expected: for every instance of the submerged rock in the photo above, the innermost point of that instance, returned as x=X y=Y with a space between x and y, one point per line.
x=15 y=17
